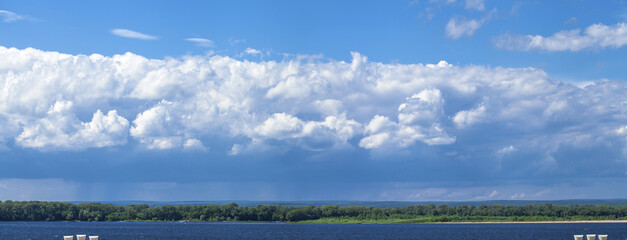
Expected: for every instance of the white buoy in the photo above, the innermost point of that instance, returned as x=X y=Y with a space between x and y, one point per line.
x=81 y=237
x=578 y=237
x=591 y=236
x=602 y=237
x=68 y=237
x=93 y=237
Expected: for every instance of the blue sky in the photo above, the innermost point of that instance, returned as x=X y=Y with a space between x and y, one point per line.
x=287 y=100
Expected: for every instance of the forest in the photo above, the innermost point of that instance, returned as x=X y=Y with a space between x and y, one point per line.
x=62 y=211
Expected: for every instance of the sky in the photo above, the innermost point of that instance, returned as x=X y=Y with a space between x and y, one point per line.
x=415 y=100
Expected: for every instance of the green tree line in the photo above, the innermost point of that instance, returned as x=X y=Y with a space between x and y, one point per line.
x=60 y=211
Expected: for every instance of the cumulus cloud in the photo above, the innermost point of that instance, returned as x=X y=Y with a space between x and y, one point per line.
x=52 y=101
x=595 y=36
x=132 y=34
x=201 y=42
x=59 y=129
x=418 y=120
x=333 y=131
x=466 y=118
x=157 y=129
x=328 y=107
x=280 y=125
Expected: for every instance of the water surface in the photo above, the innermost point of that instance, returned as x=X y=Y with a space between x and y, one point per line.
x=188 y=231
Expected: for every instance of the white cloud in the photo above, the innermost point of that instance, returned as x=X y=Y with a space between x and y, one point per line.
x=132 y=34
x=329 y=107
x=515 y=190
x=193 y=144
x=155 y=121
x=201 y=42
x=621 y=130
x=379 y=123
x=418 y=120
x=461 y=27
x=594 y=36
x=157 y=127
x=458 y=27
x=8 y=16
x=234 y=41
x=506 y=150
x=583 y=84
x=313 y=135
x=475 y=4
x=517 y=196
x=375 y=140
x=493 y=194
x=60 y=130
x=280 y=125
x=236 y=149
x=53 y=101
x=571 y=21
x=478 y=5
x=161 y=143
x=252 y=51
x=466 y=118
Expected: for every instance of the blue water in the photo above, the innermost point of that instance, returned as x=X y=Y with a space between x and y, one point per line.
x=189 y=231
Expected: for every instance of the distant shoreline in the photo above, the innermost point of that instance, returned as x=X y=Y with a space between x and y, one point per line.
x=582 y=221
x=461 y=222
x=96 y=212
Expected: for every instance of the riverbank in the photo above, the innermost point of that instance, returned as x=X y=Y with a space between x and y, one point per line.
x=591 y=221
x=347 y=221
x=95 y=212
x=459 y=220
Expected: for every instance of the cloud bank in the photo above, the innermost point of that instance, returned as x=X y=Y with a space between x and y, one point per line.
x=58 y=102
x=595 y=36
